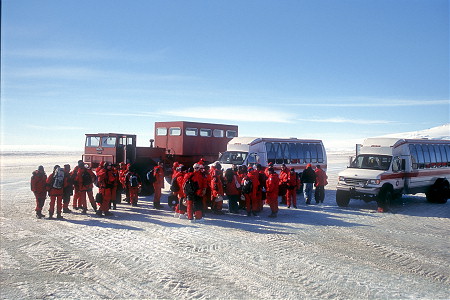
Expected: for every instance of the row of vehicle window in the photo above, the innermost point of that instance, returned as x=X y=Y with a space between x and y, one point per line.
x=203 y=132
x=294 y=153
x=107 y=141
x=426 y=156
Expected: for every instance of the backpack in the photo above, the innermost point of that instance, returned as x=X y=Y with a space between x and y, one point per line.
x=190 y=187
x=247 y=186
x=58 y=179
x=175 y=187
x=86 y=178
x=134 y=181
x=150 y=177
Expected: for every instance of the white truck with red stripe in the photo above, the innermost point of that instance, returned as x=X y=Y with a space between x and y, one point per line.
x=386 y=168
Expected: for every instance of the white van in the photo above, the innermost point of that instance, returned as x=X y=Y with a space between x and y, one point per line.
x=294 y=153
x=386 y=168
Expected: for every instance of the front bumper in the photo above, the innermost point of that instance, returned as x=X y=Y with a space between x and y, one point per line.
x=356 y=190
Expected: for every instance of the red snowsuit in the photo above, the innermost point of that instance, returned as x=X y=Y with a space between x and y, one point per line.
x=216 y=184
x=55 y=194
x=284 y=175
x=321 y=182
x=292 y=185
x=158 y=174
x=133 y=190
x=106 y=183
x=272 y=186
x=195 y=204
x=251 y=201
x=39 y=188
x=180 y=208
x=82 y=189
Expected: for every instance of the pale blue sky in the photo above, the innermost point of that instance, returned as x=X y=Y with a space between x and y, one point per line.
x=325 y=69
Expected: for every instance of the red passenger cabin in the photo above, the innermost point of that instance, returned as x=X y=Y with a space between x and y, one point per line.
x=187 y=142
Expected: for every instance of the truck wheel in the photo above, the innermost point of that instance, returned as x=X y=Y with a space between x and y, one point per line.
x=385 y=197
x=342 y=198
x=439 y=192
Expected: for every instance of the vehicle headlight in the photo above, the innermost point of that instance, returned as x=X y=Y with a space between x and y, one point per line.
x=341 y=178
x=374 y=181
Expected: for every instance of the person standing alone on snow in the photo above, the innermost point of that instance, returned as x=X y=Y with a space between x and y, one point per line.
x=38 y=187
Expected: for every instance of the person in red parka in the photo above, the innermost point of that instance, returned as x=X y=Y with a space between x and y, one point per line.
x=133 y=181
x=105 y=178
x=194 y=201
x=158 y=185
x=180 y=208
x=232 y=189
x=84 y=183
x=55 y=187
x=39 y=188
x=216 y=185
x=284 y=174
x=321 y=182
x=272 y=186
x=293 y=183
x=251 y=202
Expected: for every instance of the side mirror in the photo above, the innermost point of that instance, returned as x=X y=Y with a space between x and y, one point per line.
x=403 y=168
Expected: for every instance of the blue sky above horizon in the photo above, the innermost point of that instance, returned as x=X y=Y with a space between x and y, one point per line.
x=338 y=71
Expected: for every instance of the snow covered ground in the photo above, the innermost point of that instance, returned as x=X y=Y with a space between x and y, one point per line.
x=314 y=252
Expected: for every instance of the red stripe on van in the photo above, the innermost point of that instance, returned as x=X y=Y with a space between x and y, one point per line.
x=417 y=174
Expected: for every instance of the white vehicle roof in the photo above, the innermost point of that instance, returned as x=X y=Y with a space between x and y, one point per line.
x=255 y=140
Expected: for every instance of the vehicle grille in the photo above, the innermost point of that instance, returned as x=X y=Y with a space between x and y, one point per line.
x=356 y=181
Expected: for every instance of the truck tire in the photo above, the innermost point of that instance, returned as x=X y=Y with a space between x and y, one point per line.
x=342 y=198
x=439 y=192
x=385 y=197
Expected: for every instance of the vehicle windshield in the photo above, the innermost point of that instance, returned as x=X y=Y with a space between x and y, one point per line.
x=372 y=162
x=233 y=157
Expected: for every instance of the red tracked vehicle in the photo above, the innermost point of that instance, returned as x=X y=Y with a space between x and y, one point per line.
x=184 y=142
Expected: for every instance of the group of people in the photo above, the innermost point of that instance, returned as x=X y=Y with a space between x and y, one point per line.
x=64 y=185
x=196 y=189
x=193 y=190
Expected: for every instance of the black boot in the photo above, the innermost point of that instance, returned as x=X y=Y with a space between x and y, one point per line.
x=59 y=216
x=39 y=214
x=50 y=214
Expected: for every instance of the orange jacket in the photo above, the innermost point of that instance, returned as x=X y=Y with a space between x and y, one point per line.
x=158 y=173
x=216 y=184
x=272 y=184
x=39 y=182
x=321 y=178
